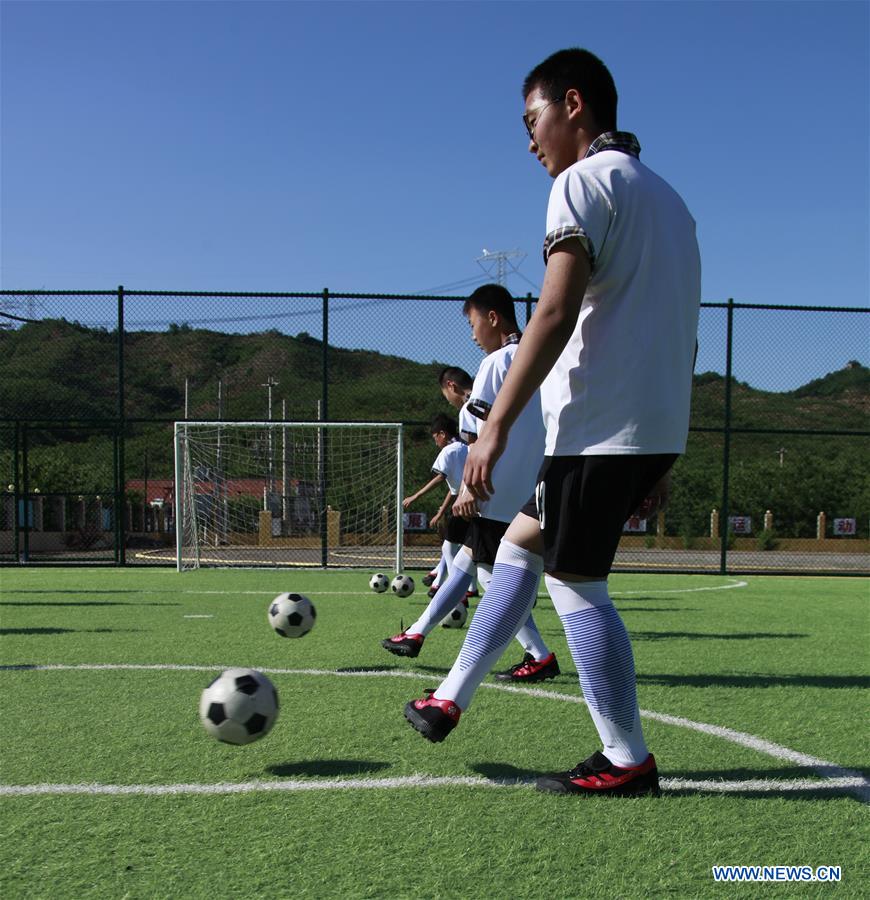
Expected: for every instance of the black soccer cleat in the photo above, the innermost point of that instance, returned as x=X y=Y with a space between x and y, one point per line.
x=433 y=718
x=404 y=644
x=432 y=591
x=428 y=579
x=531 y=670
x=598 y=776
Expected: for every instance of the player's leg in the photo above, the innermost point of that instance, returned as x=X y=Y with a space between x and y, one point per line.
x=504 y=608
x=447 y=598
x=601 y=493
x=436 y=576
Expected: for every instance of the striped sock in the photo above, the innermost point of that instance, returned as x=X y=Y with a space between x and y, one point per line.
x=529 y=637
x=602 y=653
x=448 y=597
x=504 y=607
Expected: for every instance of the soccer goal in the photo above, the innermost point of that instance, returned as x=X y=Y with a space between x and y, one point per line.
x=288 y=494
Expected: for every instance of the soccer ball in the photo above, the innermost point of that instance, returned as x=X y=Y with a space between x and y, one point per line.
x=379 y=583
x=403 y=585
x=456 y=618
x=292 y=615
x=240 y=706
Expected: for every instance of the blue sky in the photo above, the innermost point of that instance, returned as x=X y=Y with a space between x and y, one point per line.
x=378 y=147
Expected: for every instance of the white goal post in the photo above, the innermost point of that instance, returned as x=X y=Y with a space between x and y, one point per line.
x=288 y=494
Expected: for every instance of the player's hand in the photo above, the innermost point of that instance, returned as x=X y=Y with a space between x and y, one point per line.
x=465 y=505
x=482 y=457
x=407 y=502
x=657 y=499
x=434 y=521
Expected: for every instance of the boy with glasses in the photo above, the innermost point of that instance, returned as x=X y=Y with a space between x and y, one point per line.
x=611 y=347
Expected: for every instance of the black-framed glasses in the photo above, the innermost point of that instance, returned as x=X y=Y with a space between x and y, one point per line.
x=530 y=126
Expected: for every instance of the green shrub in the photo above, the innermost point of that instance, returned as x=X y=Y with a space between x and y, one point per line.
x=767 y=540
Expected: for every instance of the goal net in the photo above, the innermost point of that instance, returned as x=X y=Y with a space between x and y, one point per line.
x=288 y=494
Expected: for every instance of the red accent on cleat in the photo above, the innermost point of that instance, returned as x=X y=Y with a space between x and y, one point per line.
x=598 y=776
x=404 y=644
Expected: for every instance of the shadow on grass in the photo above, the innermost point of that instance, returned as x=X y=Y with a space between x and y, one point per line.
x=38 y=631
x=394 y=667
x=755 y=680
x=744 y=773
x=504 y=773
x=42 y=603
x=327 y=768
x=770 y=790
x=704 y=636
x=658 y=609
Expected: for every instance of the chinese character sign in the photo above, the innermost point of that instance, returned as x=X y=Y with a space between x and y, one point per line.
x=415 y=521
x=740 y=524
x=845 y=527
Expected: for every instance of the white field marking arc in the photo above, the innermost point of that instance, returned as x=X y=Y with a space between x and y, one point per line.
x=831 y=772
x=756 y=785
x=694 y=590
x=198 y=616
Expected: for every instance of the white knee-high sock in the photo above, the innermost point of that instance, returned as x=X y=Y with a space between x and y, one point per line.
x=448 y=554
x=440 y=569
x=602 y=653
x=484 y=575
x=531 y=640
x=448 y=596
x=504 y=607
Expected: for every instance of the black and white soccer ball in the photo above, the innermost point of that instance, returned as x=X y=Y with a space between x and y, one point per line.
x=379 y=582
x=239 y=707
x=456 y=617
x=403 y=585
x=292 y=615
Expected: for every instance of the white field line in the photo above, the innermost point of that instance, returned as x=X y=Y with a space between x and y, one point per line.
x=209 y=616
x=756 y=785
x=834 y=775
x=719 y=587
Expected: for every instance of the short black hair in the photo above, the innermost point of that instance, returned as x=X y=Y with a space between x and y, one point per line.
x=442 y=422
x=454 y=373
x=585 y=72
x=492 y=297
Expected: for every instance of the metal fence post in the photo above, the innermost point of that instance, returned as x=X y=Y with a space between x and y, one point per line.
x=726 y=448
x=120 y=475
x=324 y=434
x=24 y=526
x=16 y=493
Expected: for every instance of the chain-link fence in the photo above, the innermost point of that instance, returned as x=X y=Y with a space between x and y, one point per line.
x=774 y=479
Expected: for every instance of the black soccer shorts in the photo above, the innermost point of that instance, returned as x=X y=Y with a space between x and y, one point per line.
x=582 y=503
x=484 y=536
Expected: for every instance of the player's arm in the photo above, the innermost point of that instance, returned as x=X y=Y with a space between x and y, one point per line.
x=423 y=490
x=546 y=335
x=441 y=509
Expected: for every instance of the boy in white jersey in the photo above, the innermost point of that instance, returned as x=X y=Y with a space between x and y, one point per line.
x=490 y=312
x=447 y=467
x=611 y=346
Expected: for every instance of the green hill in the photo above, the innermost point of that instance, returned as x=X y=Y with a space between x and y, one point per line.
x=60 y=370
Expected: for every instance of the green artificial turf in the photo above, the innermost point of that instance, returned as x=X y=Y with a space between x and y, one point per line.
x=782 y=659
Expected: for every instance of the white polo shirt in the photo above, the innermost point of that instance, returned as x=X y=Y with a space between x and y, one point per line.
x=467 y=424
x=450 y=462
x=623 y=383
x=515 y=473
